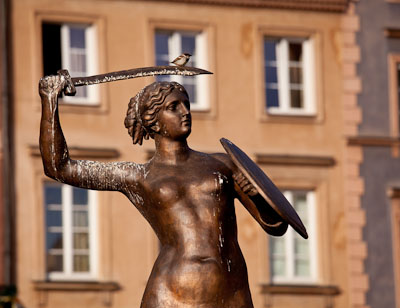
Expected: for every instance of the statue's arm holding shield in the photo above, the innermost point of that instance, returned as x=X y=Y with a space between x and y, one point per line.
x=258 y=207
x=56 y=160
x=260 y=196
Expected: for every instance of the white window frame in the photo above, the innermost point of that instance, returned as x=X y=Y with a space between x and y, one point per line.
x=92 y=97
x=290 y=277
x=67 y=250
x=308 y=69
x=200 y=58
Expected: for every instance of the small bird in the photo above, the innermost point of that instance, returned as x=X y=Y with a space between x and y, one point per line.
x=182 y=59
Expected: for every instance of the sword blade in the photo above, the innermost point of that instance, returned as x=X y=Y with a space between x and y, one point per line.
x=138 y=72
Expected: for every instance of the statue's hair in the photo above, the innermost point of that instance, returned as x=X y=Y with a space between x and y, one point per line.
x=141 y=116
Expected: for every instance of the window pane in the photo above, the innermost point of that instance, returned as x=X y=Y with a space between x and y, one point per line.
x=80 y=196
x=81 y=240
x=80 y=219
x=302 y=268
x=162 y=62
x=269 y=50
x=271 y=75
x=295 y=52
x=51 y=47
x=398 y=92
x=81 y=92
x=81 y=263
x=77 y=37
x=272 y=97
x=163 y=78
x=54 y=263
x=78 y=63
x=188 y=43
x=161 y=41
x=191 y=90
x=277 y=250
x=278 y=267
x=52 y=194
x=78 y=57
x=290 y=254
x=53 y=218
x=301 y=246
x=300 y=205
x=54 y=240
x=189 y=46
x=278 y=245
x=296 y=75
x=296 y=98
x=162 y=54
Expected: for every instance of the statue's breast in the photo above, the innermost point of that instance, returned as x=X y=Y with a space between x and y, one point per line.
x=167 y=189
x=204 y=184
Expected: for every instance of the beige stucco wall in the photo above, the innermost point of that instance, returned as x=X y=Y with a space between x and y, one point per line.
x=127 y=246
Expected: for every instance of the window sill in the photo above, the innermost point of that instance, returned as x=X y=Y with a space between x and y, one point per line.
x=289 y=113
x=75 y=286
x=292 y=118
x=273 y=289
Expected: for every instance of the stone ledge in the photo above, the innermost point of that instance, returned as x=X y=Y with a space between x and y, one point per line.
x=82 y=152
x=338 y=6
x=299 y=160
x=380 y=141
x=274 y=289
x=75 y=286
x=392 y=33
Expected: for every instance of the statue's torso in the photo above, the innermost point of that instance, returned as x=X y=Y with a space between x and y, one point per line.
x=190 y=207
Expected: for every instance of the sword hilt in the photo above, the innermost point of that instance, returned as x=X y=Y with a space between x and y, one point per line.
x=69 y=90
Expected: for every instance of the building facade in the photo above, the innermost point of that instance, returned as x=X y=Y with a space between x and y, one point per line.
x=284 y=90
x=377 y=141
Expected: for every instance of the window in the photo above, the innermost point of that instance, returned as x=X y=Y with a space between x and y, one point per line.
x=71 y=47
x=398 y=93
x=394 y=194
x=289 y=76
x=70 y=232
x=169 y=45
x=292 y=258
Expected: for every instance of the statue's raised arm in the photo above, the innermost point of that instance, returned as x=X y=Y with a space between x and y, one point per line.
x=56 y=160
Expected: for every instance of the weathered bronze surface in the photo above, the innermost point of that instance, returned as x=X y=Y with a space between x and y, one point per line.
x=139 y=72
x=264 y=186
x=185 y=195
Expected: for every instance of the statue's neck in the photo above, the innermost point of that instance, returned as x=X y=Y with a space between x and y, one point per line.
x=171 y=151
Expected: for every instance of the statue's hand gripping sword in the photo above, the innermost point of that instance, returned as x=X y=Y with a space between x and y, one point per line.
x=127 y=74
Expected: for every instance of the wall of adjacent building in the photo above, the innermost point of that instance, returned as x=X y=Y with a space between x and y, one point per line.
x=377 y=135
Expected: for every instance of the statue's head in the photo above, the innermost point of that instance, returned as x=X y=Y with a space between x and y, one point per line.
x=142 y=117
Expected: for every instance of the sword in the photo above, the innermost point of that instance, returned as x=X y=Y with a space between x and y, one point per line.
x=127 y=74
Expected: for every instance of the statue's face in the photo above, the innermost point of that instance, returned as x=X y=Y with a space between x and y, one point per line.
x=174 y=118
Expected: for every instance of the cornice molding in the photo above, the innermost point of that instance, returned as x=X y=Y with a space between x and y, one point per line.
x=393 y=192
x=83 y=153
x=373 y=141
x=297 y=160
x=75 y=286
x=337 y=6
x=392 y=33
x=300 y=290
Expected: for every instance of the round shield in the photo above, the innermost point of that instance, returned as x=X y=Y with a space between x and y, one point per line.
x=265 y=187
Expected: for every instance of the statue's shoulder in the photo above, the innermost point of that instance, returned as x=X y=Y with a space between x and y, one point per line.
x=224 y=158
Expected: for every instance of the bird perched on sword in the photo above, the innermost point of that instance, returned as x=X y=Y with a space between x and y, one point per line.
x=182 y=59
